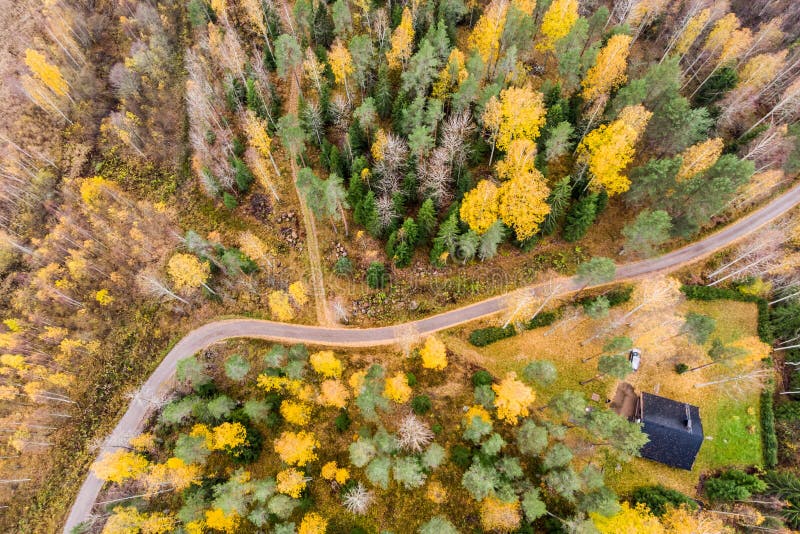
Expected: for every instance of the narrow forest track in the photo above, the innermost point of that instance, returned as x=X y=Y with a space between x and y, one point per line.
x=309 y=223
x=160 y=384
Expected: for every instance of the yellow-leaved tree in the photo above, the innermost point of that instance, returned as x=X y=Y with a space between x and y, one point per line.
x=330 y=471
x=291 y=482
x=608 y=149
x=397 y=388
x=479 y=208
x=217 y=519
x=295 y=413
x=558 y=20
x=522 y=203
x=691 y=31
x=636 y=520
x=700 y=157
x=520 y=160
x=120 y=465
x=451 y=76
x=256 y=130
x=280 y=306
x=326 y=364
x=296 y=448
x=433 y=354
x=126 y=519
x=47 y=73
x=522 y=114
x=402 y=41
x=513 y=398
x=485 y=36
x=228 y=436
x=299 y=293
x=313 y=523
x=608 y=71
x=174 y=473
x=188 y=272
x=341 y=64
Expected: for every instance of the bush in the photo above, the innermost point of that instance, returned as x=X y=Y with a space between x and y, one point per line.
x=543 y=319
x=421 y=404
x=733 y=485
x=482 y=378
x=486 y=336
x=619 y=296
x=461 y=456
x=681 y=368
x=343 y=266
x=342 y=421
x=658 y=498
x=377 y=277
x=770 y=440
x=788 y=411
x=411 y=379
x=229 y=201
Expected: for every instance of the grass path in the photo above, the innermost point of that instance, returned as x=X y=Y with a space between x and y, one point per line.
x=324 y=317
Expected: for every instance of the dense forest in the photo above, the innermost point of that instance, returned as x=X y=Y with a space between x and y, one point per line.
x=164 y=163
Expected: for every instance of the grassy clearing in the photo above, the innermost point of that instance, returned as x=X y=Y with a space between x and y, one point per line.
x=729 y=411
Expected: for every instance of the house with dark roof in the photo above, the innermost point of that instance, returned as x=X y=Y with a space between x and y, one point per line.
x=674 y=428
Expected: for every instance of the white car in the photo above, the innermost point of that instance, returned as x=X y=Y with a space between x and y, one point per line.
x=635 y=357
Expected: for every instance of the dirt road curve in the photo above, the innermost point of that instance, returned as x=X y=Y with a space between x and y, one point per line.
x=160 y=383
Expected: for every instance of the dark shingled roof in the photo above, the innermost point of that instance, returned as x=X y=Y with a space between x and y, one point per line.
x=673 y=441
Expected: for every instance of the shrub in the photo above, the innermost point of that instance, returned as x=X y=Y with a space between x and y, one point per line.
x=486 y=336
x=733 y=485
x=681 y=368
x=482 y=378
x=461 y=456
x=343 y=266
x=377 y=277
x=619 y=296
x=229 y=201
x=421 y=404
x=770 y=440
x=788 y=411
x=658 y=498
x=543 y=319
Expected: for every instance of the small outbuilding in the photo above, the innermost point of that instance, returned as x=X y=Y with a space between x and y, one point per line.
x=674 y=428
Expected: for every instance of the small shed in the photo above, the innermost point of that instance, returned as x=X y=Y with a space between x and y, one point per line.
x=674 y=428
